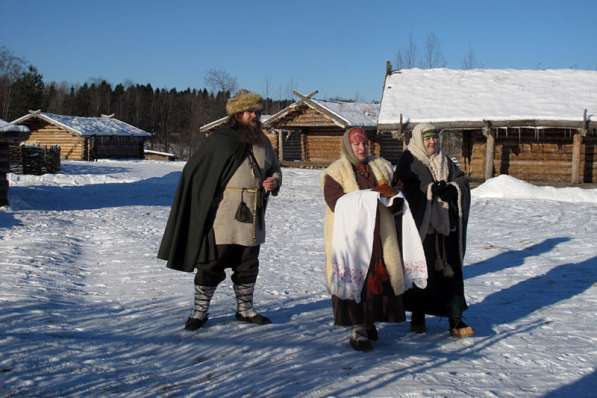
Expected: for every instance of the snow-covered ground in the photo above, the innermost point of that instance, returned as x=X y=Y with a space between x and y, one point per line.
x=86 y=308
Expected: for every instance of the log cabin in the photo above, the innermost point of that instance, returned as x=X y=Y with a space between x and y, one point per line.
x=310 y=130
x=9 y=134
x=532 y=124
x=209 y=128
x=85 y=138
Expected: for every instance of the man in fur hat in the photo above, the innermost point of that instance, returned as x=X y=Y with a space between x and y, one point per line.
x=217 y=218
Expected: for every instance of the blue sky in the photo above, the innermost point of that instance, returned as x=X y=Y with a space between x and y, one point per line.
x=336 y=47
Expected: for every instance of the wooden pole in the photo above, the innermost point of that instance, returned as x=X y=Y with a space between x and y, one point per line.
x=489 y=151
x=575 y=177
x=576 y=149
x=280 y=146
x=303 y=146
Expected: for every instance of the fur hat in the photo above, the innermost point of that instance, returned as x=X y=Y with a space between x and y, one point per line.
x=244 y=101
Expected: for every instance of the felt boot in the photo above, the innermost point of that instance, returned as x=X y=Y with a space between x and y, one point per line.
x=460 y=329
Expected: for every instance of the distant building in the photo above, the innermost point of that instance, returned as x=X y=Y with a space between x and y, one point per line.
x=310 y=130
x=85 y=138
x=9 y=133
x=156 y=155
x=532 y=124
x=212 y=126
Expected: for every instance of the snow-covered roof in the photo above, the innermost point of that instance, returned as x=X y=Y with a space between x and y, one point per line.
x=9 y=127
x=343 y=113
x=448 y=95
x=158 y=153
x=88 y=126
x=355 y=113
x=218 y=122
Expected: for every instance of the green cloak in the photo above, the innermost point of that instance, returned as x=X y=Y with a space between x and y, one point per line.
x=189 y=240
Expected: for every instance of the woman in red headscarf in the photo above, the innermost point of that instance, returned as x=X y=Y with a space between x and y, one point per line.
x=382 y=281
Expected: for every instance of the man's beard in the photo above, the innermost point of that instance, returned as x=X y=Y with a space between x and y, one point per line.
x=251 y=134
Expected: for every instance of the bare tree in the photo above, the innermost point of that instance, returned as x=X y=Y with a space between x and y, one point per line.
x=268 y=85
x=469 y=61
x=433 y=57
x=220 y=80
x=56 y=100
x=290 y=87
x=407 y=58
x=11 y=67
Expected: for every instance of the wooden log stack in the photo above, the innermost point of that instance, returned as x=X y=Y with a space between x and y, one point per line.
x=34 y=159
x=3 y=172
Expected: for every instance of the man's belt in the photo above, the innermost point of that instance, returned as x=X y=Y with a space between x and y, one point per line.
x=241 y=189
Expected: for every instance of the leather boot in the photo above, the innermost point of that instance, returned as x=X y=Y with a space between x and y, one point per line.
x=359 y=339
x=417 y=322
x=244 y=305
x=203 y=295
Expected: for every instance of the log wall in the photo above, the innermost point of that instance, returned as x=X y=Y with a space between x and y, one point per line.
x=273 y=139
x=116 y=147
x=388 y=147
x=323 y=146
x=308 y=117
x=3 y=172
x=543 y=155
x=72 y=146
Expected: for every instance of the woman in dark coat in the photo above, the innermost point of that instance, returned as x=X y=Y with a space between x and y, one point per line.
x=379 y=300
x=438 y=194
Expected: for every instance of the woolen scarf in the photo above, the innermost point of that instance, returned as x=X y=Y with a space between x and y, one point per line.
x=437 y=162
x=437 y=216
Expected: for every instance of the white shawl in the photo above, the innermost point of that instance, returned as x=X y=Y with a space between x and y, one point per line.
x=352 y=244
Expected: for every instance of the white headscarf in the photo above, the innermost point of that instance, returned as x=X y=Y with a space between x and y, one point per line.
x=436 y=162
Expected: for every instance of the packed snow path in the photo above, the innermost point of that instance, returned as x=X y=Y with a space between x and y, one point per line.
x=88 y=310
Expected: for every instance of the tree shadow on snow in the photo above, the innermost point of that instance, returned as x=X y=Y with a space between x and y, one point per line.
x=291 y=311
x=524 y=298
x=71 y=347
x=156 y=191
x=414 y=355
x=511 y=258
